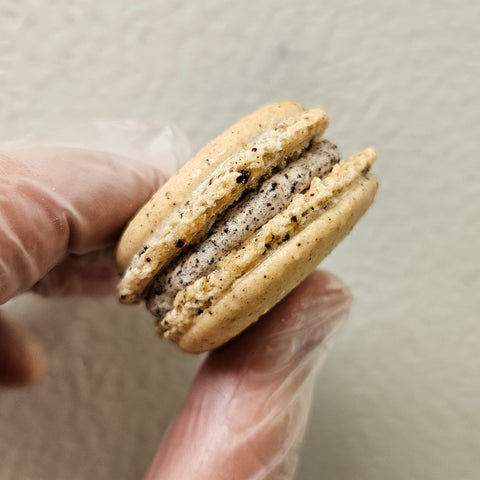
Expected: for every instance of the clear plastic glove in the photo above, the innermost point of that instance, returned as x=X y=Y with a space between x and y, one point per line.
x=61 y=212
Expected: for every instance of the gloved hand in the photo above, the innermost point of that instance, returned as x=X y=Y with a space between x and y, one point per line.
x=61 y=212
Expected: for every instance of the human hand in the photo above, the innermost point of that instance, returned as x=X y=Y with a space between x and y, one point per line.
x=61 y=211
x=247 y=411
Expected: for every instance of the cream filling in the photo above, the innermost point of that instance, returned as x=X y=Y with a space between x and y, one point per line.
x=239 y=222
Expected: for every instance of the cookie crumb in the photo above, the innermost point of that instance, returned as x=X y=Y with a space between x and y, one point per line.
x=243 y=177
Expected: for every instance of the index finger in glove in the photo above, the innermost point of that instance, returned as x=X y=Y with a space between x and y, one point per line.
x=58 y=200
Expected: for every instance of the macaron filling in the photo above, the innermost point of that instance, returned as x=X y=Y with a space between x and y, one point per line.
x=253 y=210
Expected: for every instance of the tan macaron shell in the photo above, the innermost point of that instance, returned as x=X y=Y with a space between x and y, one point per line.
x=199 y=168
x=189 y=210
x=253 y=278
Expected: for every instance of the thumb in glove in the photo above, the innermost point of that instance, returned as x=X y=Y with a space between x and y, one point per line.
x=246 y=414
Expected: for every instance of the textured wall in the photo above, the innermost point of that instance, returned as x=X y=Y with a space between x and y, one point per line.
x=399 y=395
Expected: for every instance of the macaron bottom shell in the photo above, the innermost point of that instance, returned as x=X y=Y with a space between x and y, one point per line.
x=203 y=322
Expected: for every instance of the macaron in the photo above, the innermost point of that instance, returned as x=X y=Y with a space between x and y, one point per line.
x=242 y=224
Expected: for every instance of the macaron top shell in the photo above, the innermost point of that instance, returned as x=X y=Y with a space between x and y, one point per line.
x=187 y=205
x=173 y=193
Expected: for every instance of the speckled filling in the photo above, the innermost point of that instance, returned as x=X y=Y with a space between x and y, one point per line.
x=240 y=221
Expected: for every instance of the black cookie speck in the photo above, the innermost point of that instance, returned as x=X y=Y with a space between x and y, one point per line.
x=243 y=177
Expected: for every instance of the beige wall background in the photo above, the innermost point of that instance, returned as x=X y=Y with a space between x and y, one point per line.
x=399 y=395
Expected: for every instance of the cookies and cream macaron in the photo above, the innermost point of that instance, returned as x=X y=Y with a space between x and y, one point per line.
x=242 y=224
